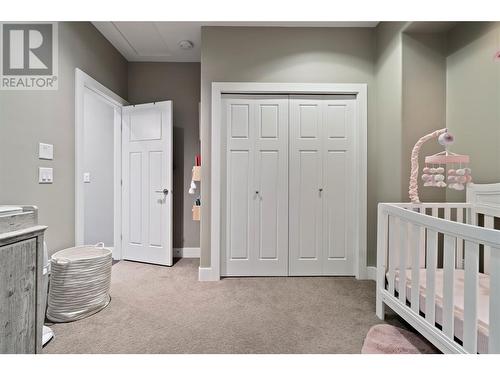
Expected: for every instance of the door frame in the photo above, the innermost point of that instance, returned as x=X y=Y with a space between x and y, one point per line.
x=361 y=150
x=84 y=81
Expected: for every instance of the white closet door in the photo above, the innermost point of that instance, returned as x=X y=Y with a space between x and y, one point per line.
x=305 y=188
x=338 y=184
x=256 y=216
x=240 y=214
x=271 y=181
x=321 y=185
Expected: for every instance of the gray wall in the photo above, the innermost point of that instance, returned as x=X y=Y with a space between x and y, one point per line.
x=179 y=82
x=388 y=112
x=30 y=117
x=282 y=55
x=423 y=103
x=406 y=77
x=473 y=98
x=388 y=74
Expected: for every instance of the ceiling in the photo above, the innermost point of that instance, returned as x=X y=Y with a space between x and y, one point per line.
x=159 y=41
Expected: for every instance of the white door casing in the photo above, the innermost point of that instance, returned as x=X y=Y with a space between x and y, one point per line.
x=147 y=183
x=256 y=233
x=321 y=185
x=212 y=271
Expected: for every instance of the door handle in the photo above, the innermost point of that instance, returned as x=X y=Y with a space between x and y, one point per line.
x=164 y=191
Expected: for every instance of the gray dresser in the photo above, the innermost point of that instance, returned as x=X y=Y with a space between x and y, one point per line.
x=21 y=266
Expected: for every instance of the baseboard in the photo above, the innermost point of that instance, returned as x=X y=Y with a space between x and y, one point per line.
x=187 y=252
x=207 y=274
x=371 y=273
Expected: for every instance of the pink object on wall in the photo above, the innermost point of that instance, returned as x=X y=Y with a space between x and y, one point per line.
x=439 y=165
x=413 y=188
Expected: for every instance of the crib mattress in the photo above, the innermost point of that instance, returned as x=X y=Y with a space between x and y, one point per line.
x=483 y=302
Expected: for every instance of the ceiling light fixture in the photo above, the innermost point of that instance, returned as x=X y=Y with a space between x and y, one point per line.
x=186 y=44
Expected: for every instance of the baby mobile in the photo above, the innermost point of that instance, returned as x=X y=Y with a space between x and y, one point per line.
x=444 y=169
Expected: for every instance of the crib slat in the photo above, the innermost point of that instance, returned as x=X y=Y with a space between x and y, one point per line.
x=393 y=248
x=447 y=213
x=489 y=222
x=430 y=289
x=494 y=324
x=421 y=247
x=414 y=241
x=403 y=237
x=435 y=211
x=460 y=243
x=448 y=284
x=470 y=296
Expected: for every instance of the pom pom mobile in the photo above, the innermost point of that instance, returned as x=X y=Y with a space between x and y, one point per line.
x=444 y=169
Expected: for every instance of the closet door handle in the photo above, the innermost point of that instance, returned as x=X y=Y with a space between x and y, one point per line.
x=320 y=190
x=164 y=191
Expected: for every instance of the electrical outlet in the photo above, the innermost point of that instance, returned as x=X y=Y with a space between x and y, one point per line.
x=45 y=175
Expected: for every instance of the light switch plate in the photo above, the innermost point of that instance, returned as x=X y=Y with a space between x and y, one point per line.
x=45 y=175
x=86 y=177
x=45 y=151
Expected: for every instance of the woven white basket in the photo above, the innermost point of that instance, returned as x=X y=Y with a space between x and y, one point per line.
x=79 y=282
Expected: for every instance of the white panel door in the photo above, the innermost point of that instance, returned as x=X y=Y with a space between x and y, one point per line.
x=271 y=183
x=321 y=185
x=338 y=186
x=239 y=116
x=256 y=215
x=147 y=183
x=306 y=252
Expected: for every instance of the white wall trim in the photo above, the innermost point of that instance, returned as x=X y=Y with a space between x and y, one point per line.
x=358 y=89
x=207 y=274
x=186 y=252
x=83 y=81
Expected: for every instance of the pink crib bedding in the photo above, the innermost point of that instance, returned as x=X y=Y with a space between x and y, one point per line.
x=483 y=302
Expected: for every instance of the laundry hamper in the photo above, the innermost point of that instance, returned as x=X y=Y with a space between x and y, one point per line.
x=79 y=283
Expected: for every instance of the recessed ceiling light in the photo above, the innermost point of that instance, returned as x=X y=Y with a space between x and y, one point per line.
x=186 y=44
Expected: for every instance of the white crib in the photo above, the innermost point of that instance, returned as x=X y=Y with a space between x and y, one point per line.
x=450 y=253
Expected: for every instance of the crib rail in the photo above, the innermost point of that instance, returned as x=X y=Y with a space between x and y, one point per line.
x=410 y=238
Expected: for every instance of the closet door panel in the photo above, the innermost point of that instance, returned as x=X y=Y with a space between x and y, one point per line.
x=240 y=165
x=338 y=195
x=309 y=222
x=305 y=245
x=239 y=207
x=271 y=189
x=256 y=222
x=268 y=213
x=335 y=212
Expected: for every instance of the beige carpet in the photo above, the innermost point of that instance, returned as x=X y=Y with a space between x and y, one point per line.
x=166 y=310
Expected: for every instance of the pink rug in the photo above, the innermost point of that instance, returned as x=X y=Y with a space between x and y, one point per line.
x=387 y=339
